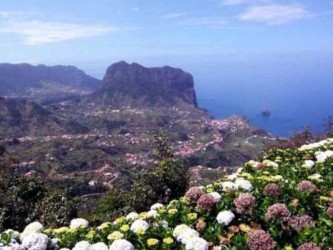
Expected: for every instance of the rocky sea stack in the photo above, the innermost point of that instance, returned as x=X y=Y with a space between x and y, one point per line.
x=132 y=85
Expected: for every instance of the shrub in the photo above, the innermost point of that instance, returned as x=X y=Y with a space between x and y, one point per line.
x=26 y=199
x=167 y=179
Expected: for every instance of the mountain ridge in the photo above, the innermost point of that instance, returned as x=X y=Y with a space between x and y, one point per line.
x=41 y=82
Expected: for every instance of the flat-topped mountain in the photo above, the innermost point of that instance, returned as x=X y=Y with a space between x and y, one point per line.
x=19 y=117
x=132 y=85
x=42 y=82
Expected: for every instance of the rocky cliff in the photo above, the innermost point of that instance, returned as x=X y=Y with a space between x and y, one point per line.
x=132 y=85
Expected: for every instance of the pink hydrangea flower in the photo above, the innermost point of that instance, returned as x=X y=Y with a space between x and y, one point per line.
x=244 y=203
x=277 y=211
x=306 y=186
x=309 y=246
x=260 y=240
x=194 y=193
x=272 y=190
x=206 y=202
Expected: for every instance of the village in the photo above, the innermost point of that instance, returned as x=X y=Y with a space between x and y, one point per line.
x=191 y=134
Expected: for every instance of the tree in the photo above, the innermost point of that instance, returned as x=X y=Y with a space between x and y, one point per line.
x=329 y=126
x=114 y=204
x=27 y=199
x=165 y=180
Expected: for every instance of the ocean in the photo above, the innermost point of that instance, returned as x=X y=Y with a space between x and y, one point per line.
x=297 y=94
x=291 y=107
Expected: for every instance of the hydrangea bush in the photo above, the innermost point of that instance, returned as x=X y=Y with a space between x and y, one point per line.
x=283 y=202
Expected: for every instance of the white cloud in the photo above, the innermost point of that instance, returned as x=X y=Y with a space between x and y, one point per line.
x=205 y=21
x=239 y=2
x=39 y=32
x=184 y=19
x=174 y=15
x=275 y=14
x=11 y=14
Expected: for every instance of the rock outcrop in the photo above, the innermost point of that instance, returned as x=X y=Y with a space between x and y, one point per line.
x=132 y=85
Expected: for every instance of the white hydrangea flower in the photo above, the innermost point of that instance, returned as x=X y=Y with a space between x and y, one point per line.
x=152 y=214
x=13 y=245
x=164 y=224
x=187 y=235
x=232 y=176
x=34 y=227
x=314 y=145
x=244 y=184
x=217 y=248
x=99 y=246
x=196 y=243
x=132 y=216
x=216 y=196
x=225 y=217
x=139 y=225
x=323 y=156
x=308 y=164
x=251 y=162
x=277 y=177
x=179 y=230
x=15 y=234
x=315 y=177
x=35 y=241
x=239 y=170
x=228 y=186
x=156 y=206
x=82 y=245
x=54 y=243
x=304 y=147
x=270 y=163
x=78 y=222
x=11 y=248
x=121 y=245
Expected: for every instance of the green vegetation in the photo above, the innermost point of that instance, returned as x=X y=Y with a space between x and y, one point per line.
x=25 y=199
x=164 y=181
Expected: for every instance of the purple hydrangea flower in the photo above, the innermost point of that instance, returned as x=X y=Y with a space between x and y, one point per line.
x=299 y=223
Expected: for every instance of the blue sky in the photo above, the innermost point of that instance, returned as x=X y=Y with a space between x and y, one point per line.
x=193 y=34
